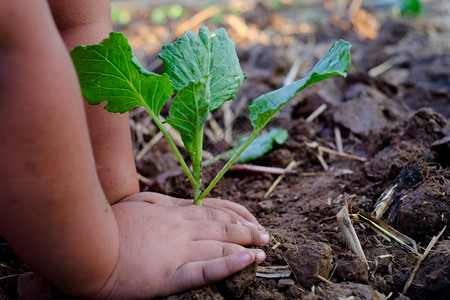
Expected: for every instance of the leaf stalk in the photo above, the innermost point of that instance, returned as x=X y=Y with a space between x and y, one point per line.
x=230 y=163
x=174 y=148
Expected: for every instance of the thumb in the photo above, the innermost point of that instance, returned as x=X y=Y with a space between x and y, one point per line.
x=195 y=274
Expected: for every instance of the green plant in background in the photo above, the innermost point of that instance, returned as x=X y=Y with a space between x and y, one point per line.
x=160 y=14
x=261 y=145
x=409 y=7
x=120 y=15
x=405 y=7
x=276 y=5
x=205 y=72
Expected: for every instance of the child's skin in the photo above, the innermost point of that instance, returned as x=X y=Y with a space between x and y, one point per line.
x=69 y=201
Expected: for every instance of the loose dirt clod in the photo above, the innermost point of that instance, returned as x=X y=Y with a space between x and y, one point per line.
x=309 y=258
x=237 y=284
x=432 y=281
x=345 y=291
x=350 y=267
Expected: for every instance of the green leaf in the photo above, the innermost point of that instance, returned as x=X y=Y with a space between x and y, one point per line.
x=188 y=113
x=261 y=145
x=193 y=56
x=335 y=62
x=110 y=72
x=411 y=7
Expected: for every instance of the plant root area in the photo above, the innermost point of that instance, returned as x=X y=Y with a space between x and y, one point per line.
x=385 y=126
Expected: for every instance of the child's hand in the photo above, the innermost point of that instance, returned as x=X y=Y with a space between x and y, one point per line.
x=239 y=212
x=166 y=248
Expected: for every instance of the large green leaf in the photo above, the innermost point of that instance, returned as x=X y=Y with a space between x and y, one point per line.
x=110 y=72
x=193 y=56
x=188 y=113
x=261 y=145
x=335 y=62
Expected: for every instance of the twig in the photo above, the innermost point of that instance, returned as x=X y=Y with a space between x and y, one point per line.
x=9 y=276
x=144 y=179
x=197 y=19
x=385 y=201
x=273 y=271
x=311 y=174
x=338 y=137
x=148 y=146
x=316 y=113
x=218 y=132
x=349 y=233
x=261 y=169
x=323 y=279
x=355 y=6
x=228 y=119
x=380 y=69
x=424 y=255
x=277 y=243
x=322 y=161
x=293 y=71
x=321 y=149
x=388 y=233
x=332 y=272
x=293 y=164
x=274 y=247
x=337 y=153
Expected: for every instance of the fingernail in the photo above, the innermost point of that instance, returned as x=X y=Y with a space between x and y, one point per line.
x=245 y=257
x=265 y=238
x=261 y=256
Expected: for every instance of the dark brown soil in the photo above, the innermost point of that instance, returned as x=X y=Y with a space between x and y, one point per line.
x=396 y=119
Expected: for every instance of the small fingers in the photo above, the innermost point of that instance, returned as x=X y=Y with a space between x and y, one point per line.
x=245 y=217
x=230 y=233
x=208 y=213
x=207 y=250
x=195 y=274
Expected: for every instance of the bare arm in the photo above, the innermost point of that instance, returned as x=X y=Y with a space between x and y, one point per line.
x=88 y=22
x=53 y=210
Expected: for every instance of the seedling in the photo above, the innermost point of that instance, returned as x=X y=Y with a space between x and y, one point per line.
x=204 y=70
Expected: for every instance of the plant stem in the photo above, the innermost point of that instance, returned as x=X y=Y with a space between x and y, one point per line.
x=216 y=158
x=197 y=156
x=173 y=147
x=197 y=167
x=229 y=163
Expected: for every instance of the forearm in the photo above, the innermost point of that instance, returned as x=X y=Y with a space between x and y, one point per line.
x=88 y=22
x=53 y=211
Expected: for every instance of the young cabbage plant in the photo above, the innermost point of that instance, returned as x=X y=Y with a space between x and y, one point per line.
x=204 y=70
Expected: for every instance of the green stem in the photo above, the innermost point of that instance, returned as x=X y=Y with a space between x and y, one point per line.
x=173 y=147
x=216 y=158
x=197 y=167
x=229 y=163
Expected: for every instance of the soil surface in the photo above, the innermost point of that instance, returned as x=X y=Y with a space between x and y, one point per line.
x=391 y=114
